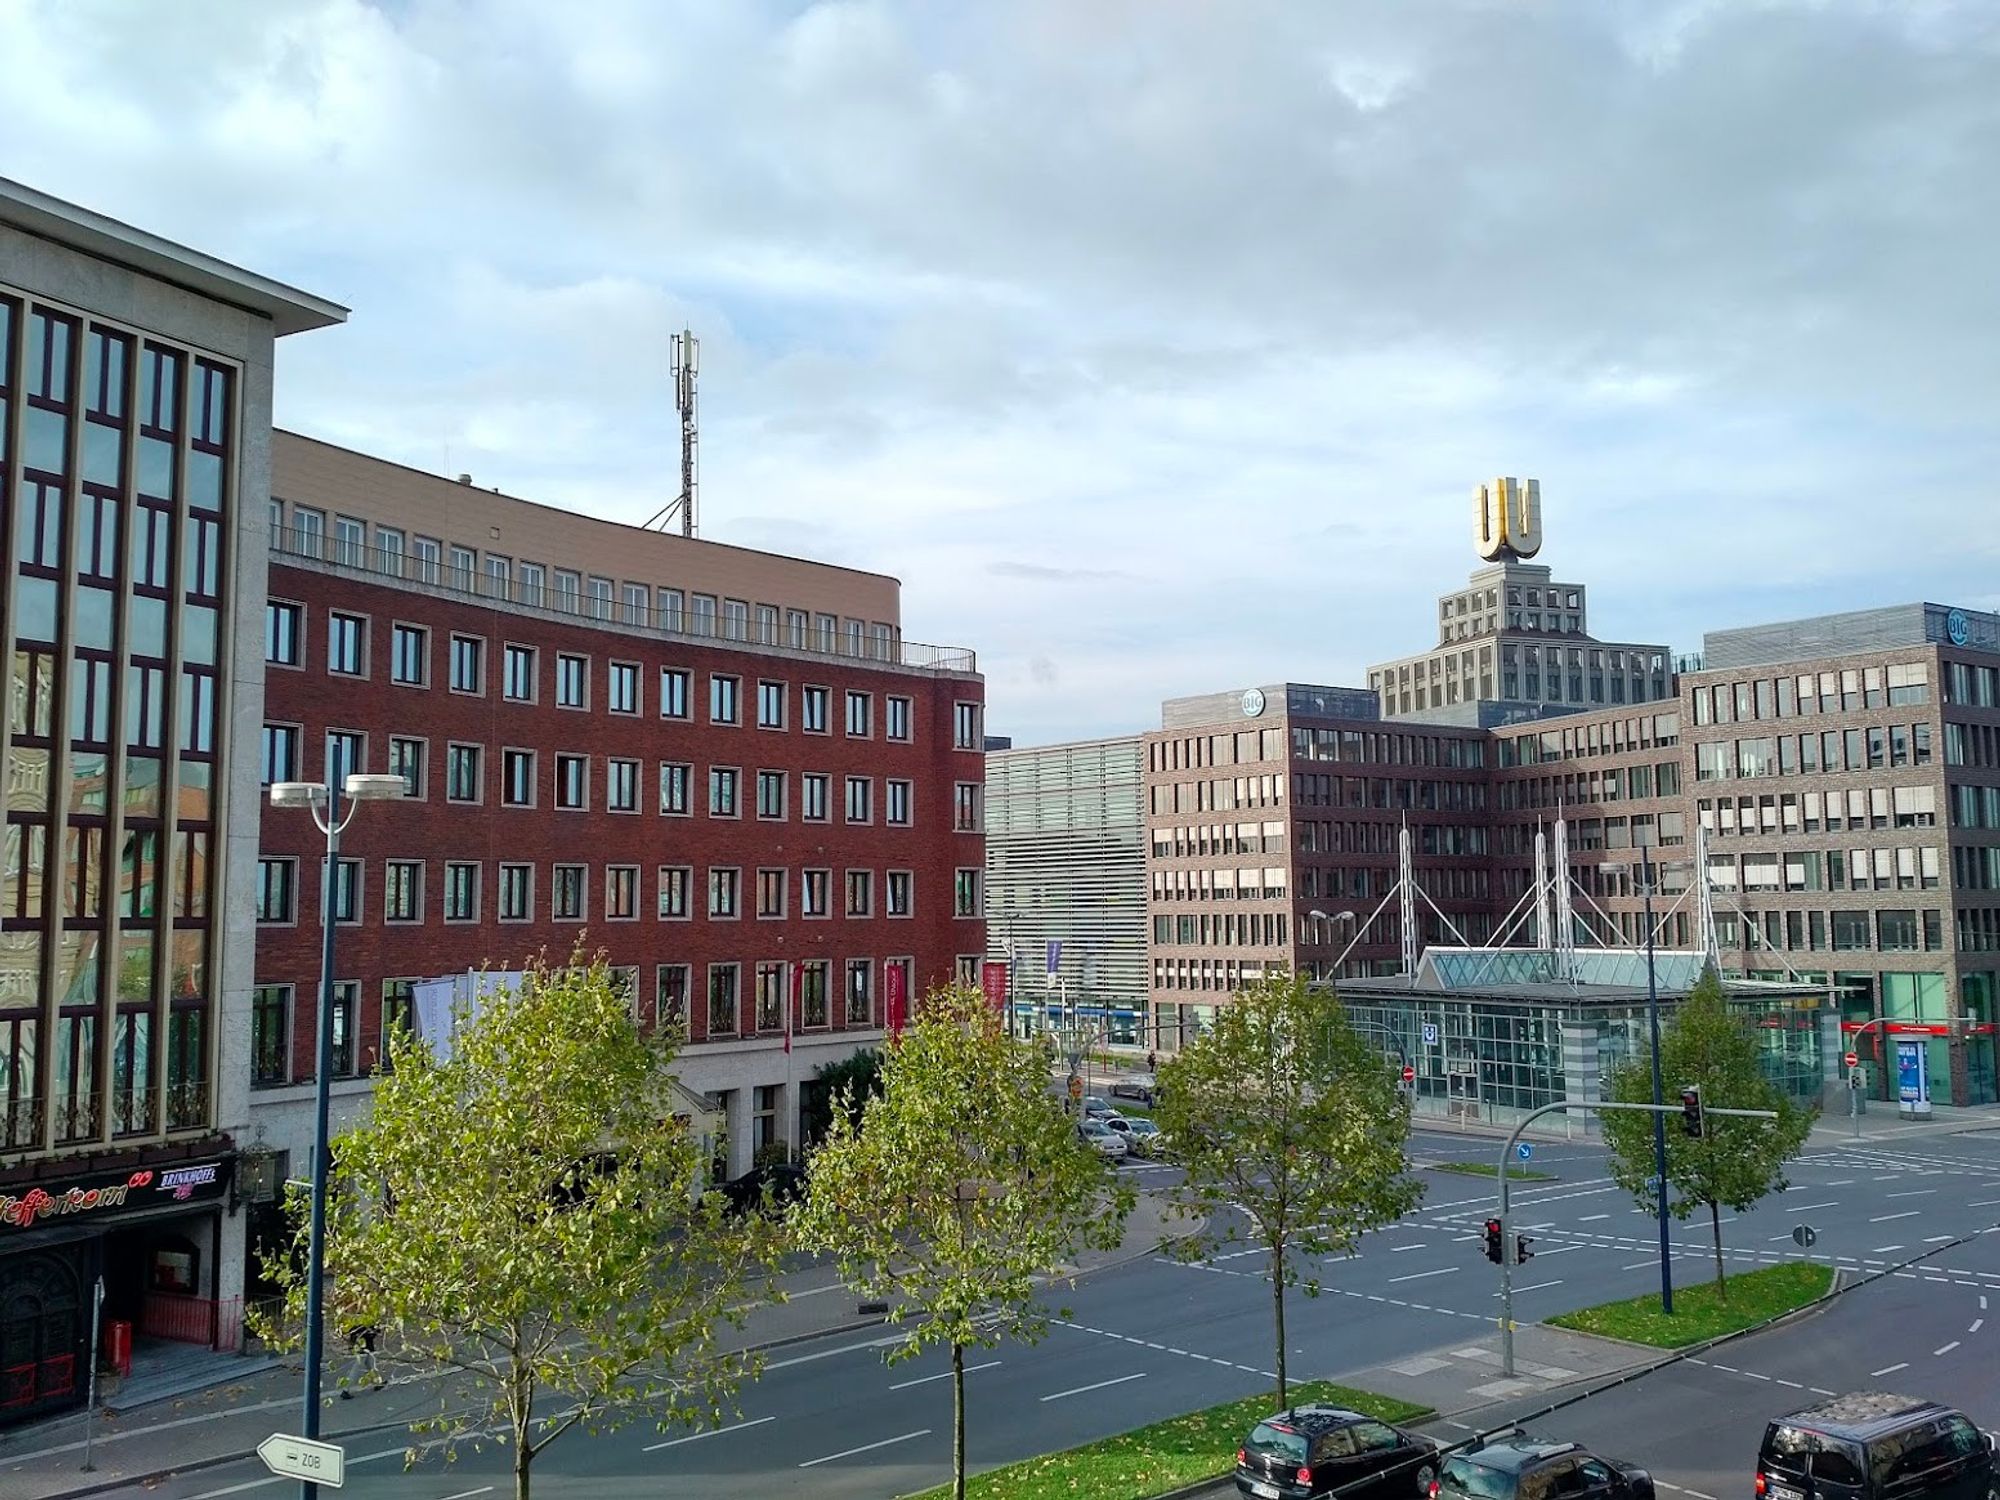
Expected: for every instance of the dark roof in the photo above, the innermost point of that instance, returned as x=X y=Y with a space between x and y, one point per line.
x=1863 y=1414
x=1512 y=1454
x=1316 y=1418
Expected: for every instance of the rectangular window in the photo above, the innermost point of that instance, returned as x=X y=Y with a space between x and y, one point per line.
x=968 y=898
x=461 y=774
x=346 y=644
x=624 y=687
x=768 y=1003
x=813 y=796
x=276 y=879
x=572 y=677
x=723 y=707
x=966 y=733
x=347 y=890
x=860 y=715
x=468 y=664
x=461 y=891
x=573 y=782
x=517 y=893
x=671 y=997
x=399 y=1016
x=281 y=753
x=814 y=891
x=897 y=898
x=406 y=759
x=966 y=810
x=812 y=995
x=621 y=893
x=860 y=799
x=635 y=603
x=566 y=892
x=770 y=893
x=621 y=786
x=724 y=887
x=270 y=1035
x=403 y=891
x=517 y=778
x=897 y=810
x=770 y=705
x=340 y=1058
x=722 y=999
x=898 y=716
x=600 y=593
x=861 y=893
x=812 y=709
x=346 y=753
x=568 y=592
x=675 y=881
x=284 y=633
x=409 y=655
x=673 y=693
x=722 y=786
x=860 y=992
x=771 y=794
x=517 y=674
x=674 y=778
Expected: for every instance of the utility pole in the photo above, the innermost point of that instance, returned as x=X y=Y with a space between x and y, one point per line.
x=1659 y=1119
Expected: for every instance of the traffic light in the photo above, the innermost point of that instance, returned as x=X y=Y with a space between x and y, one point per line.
x=1691 y=1112
x=1522 y=1254
x=1495 y=1246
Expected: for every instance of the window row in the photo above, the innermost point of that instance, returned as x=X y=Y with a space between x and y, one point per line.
x=1615 y=784
x=1903 y=930
x=1602 y=737
x=1812 y=812
x=1905 y=869
x=1842 y=691
x=1873 y=749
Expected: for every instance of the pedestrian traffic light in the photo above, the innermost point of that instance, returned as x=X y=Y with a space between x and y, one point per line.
x=1522 y=1254
x=1495 y=1246
x=1691 y=1112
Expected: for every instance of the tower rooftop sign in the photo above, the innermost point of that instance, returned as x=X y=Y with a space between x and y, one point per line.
x=1507 y=519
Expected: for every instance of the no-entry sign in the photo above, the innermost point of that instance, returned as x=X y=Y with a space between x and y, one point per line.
x=1852 y=1059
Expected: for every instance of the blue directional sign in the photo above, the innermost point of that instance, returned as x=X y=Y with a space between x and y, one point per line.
x=1524 y=1151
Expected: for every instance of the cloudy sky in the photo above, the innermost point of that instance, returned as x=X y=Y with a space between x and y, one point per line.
x=1156 y=346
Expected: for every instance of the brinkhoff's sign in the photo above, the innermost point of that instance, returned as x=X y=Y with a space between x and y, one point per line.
x=148 y=1187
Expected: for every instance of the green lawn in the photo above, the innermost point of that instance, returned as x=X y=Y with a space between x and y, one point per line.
x=1486 y=1169
x=1165 y=1456
x=1699 y=1313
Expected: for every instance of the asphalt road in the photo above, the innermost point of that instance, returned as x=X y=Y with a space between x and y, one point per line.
x=1155 y=1338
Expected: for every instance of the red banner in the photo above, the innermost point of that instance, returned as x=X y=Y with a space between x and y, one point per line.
x=993 y=980
x=895 y=996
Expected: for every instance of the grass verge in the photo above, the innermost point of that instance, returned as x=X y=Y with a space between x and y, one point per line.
x=1700 y=1312
x=1486 y=1169
x=1163 y=1457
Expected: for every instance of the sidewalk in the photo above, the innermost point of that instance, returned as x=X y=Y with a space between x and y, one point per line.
x=225 y=1421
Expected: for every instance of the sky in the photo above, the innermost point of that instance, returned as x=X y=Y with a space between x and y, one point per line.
x=1157 y=347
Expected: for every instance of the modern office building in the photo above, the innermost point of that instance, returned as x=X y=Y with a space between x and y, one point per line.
x=1066 y=884
x=135 y=421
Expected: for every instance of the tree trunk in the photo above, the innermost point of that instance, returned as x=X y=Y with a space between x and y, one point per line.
x=523 y=1456
x=958 y=1421
x=1278 y=1310
x=1715 y=1224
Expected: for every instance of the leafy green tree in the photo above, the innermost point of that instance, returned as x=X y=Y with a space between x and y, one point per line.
x=1290 y=1132
x=525 y=1215
x=1735 y=1162
x=959 y=1191
x=854 y=1080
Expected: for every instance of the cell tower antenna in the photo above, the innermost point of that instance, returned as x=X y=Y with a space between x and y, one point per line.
x=686 y=360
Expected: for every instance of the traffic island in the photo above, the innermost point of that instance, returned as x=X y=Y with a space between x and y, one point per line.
x=1487 y=1169
x=1166 y=1457
x=1702 y=1312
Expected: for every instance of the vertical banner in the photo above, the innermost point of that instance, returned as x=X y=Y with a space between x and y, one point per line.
x=895 y=996
x=1055 y=961
x=993 y=980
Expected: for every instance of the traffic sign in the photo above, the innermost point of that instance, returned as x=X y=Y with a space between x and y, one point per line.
x=1852 y=1059
x=1409 y=1074
x=1524 y=1151
x=302 y=1458
x=1430 y=1034
x=1075 y=1086
x=1804 y=1236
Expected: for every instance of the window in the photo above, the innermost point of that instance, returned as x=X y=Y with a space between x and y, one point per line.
x=722 y=999
x=965 y=729
x=769 y=999
x=568 y=591
x=813 y=893
x=517 y=674
x=403 y=891
x=671 y=996
x=860 y=799
x=566 y=893
x=340 y=1058
x=399 y=1017
x=464 y=568
x=897 y=891
x=634 y=603
x=968 y=898
x=346 y=753
x=673 y=609
x=812 y=710
x=276 y=883
x=770 y=705
x=860 y=992
x=860 y=715
x=724 y=888
x=346 y=890
x=346 y=644
x=572 y=676
x=722 y=784
x=770 y=794
x=573 y=782
x=673 y=693
x=770 y=893
x=270 y=1035
x=517 y=778
x=409 y=654
x=861 y=893
x=897 y=810
x=284 y=632
x=499 y=574
x=517 y=893
x=624 y=687
x=621 y=786
x=965 y=807
x=281 y=753
x=897 y=713
x=461 y=891
x=621 y=893
x=813 y=1010
x=468 y=664
x=722 y=701
x=461 y=774
x=704 y=614
x=812 y=796
x=406 y=759
x=675 y=881
x=674 y=778
x=425 y=553
x=795 y=629
x=600 y=592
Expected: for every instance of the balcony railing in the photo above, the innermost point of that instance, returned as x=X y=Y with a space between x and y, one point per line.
x=438 y=576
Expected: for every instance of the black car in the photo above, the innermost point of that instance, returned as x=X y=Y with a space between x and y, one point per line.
x=1874 y=1446
x=1314 y=1450
x=1517 y=1467
x=765 y=1189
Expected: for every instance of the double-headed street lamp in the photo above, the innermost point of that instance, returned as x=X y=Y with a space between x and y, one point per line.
x=322 y=800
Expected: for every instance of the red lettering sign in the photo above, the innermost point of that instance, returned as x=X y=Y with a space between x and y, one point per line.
x=993 y=980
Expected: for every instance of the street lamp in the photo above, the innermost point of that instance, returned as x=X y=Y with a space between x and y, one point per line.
x=1336 y=919
x=322 y=800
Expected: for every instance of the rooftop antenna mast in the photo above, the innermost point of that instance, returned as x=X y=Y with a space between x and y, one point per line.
x=686 y=359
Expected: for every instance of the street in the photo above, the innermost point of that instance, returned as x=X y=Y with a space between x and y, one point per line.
x=1154 y=1337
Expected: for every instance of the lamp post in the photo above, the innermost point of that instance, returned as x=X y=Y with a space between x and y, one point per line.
x=1659 y=1119
x=1337 y=919
x=322 y=800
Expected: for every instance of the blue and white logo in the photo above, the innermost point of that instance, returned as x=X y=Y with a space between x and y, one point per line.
x=1253 y=702
x=1957 y=627
x=1430 y=1034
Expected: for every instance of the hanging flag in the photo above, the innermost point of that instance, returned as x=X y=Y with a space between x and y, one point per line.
x=993 y=980
x=1055 y=962
x=895 y=996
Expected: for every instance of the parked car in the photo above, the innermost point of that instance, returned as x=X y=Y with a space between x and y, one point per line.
x=1095 y=1108
x=1315 y=1450
x=1867 y=1447
x=1138 y=1086
x=1518 y=1467
x=1141 y=1135
x=769 y=1190
x=1107 y=1142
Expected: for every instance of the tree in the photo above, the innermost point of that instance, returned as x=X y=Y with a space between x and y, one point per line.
x=1290 y=1132
x=855 y=1079
x=526 y=1214
x=959 y=1190
x=1735 y=1162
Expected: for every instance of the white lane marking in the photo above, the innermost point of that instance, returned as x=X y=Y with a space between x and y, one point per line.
x=1946 y=1349
x=232 y=1489
x=1912 y=1193
x=1940 y=1239
x=1401 y=1248
x=1420 y=1275
x=1887 y=1249
x=1888 y=1177
x=484 y=1489
x=1100 y=1385
x=806 y=1359
x=865 y=1447
x=1838 y=1182
x=1977 y=1324
x=1908 y=1213
x=904 y=1385
x=1982 y=1302
x=1984 y=1203
x=1535 y=1287
x=1888 y=1369
x=1808 y=1207
x=1592 y=1218
x=695 y=1437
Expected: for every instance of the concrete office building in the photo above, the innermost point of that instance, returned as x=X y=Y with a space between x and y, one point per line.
x=135 y=422
x=1066 y=878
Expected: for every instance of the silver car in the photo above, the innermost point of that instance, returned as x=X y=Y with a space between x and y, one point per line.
x=1107 y=1142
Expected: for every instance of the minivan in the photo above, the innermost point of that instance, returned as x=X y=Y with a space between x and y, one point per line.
x=1875 y=1446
